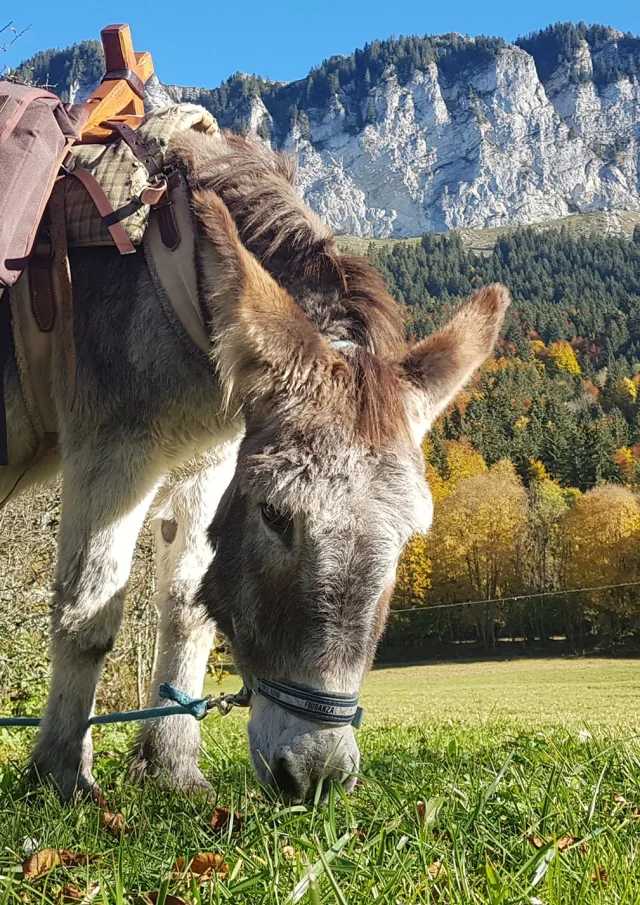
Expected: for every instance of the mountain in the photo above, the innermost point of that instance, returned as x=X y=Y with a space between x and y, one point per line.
x=435 y=133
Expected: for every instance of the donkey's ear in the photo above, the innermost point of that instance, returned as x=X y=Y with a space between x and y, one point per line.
x=438 y=367
x=263 y=342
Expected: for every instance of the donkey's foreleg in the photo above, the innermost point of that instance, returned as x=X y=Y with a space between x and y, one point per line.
x=168 y=749
x=98 y=530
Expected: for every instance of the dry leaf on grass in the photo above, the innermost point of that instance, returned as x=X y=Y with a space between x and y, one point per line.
x=114 y=824
x=288 y=852
x=221 y=819
x=40 y=863
x=600 y=875
x=152 y=897
x=70 y=893
x=437 y=870
x=564 y=843
x=204 y=866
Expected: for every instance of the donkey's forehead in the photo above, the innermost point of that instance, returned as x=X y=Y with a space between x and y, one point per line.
x=326 y=481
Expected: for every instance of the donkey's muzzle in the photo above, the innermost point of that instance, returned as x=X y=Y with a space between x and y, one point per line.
x=314 y=759
x=296 y=755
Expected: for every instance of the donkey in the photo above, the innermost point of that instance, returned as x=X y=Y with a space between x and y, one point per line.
x=282 y=472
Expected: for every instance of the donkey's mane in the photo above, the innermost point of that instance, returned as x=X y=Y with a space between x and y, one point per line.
x=342 y=294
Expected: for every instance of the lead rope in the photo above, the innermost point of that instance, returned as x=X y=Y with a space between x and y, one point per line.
x=183 y=703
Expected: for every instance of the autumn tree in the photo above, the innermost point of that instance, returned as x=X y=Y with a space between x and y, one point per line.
x=602 y=535
x=477 y=542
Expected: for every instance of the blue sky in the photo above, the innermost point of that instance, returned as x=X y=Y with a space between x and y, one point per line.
x=202 y=43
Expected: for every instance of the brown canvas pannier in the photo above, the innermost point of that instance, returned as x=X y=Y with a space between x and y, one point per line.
x=36 y=132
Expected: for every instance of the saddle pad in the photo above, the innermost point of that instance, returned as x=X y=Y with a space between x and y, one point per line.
x=122 y=176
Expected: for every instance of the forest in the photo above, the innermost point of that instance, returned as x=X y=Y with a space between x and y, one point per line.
x=535 y=469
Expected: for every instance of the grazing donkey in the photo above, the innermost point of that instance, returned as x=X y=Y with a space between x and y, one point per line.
x=296 y=443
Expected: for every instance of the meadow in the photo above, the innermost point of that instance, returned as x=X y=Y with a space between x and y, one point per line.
x=497 y=782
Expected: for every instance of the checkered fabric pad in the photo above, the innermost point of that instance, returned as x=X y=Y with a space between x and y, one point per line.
x=122 y=176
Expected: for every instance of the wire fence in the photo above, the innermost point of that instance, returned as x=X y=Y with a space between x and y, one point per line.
x=605 y=616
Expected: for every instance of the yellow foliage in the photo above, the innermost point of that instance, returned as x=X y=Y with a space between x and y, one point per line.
x=474 y=543
x=625 y=461
x=414 y=573
x=563 y=358
x=463 y=462
x=538 y=348
x=624 y=393
x=538 y=471
x=602 y=531
x=521 y=423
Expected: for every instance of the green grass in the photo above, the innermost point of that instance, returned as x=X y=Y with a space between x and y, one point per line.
x=482 y=241
x=498 y=752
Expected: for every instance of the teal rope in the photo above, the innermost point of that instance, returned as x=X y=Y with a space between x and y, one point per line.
x=184 y=704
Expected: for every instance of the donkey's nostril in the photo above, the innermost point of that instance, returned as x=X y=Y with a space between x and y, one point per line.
x=284 y=778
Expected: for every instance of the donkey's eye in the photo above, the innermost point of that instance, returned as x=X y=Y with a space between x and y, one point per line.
x=278 y=522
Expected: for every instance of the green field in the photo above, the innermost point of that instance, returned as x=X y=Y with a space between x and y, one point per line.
x=482 y=241
x=505 y=756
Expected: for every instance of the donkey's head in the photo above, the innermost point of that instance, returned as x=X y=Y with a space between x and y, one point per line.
x=329 y=486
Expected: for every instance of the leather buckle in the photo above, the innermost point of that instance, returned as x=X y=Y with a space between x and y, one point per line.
x=156 y=191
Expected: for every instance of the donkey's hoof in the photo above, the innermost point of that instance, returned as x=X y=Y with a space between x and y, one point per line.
x=68 y=782
x=187 y=778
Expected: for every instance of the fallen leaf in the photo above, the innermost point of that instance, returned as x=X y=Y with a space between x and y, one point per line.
x=169 y=899
x=71 y=893
x=421 y=808
x=537 y=842
x=221 y=819
x=565 y=842
x=619 y=799
x=114 y=824
x=599 y=875
x=203 y=866
x=207 y=861
x=288 y=852
x=437 y=870
x=40 y=863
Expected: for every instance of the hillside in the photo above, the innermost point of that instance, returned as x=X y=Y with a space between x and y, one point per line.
x=433 y=133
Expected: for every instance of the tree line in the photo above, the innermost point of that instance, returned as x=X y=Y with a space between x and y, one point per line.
x=535 y=469
x=495 y=538
x=614 y=56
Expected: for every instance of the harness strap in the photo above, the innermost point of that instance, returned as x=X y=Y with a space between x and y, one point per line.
x=5 y=344
x=132 y=79
x=63 y=288
x=95 y=190
x=157 y=194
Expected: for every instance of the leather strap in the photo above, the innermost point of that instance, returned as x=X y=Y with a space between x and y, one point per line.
x=5 y=342
x=118 y=234
x=157 y=193
x=152 y=162
x=63 y=291
x=132 y=79
x=42 y=298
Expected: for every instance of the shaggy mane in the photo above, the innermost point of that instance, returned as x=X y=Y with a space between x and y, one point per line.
x=342 y=294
